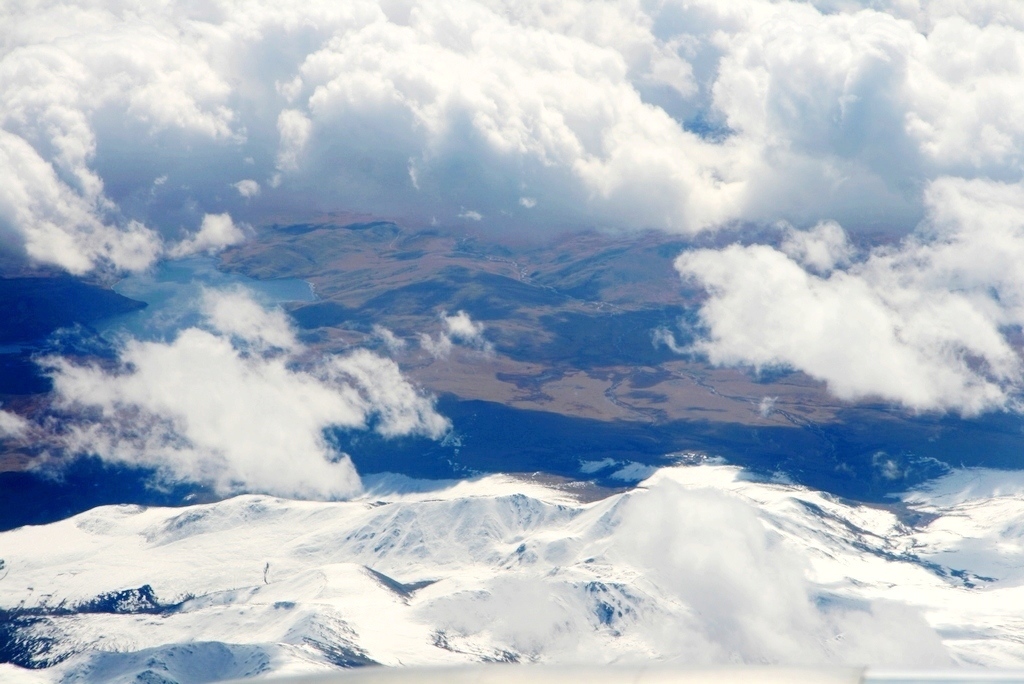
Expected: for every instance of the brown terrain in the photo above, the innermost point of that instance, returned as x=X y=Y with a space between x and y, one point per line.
x=566 y=319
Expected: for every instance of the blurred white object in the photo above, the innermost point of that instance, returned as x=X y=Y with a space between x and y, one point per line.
x=657 y=674
x=609 y=674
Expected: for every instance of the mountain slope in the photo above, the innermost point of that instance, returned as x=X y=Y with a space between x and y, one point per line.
x=698 y=565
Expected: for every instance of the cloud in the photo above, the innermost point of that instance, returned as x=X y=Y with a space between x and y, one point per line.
x=820 y=248
x=439 y=348
x=462 y=328
x=68 y=73
x=697 y=575
x=923 y=324
x=718 y=556
x=400 y=409
x=247 y=188
x=459 y=328
x=805 y=112
x=676 y=116
x=216 y=232
x=295 y=130
x=56 y=225
x=662 y=336
x=233 y=406
x=391 y=342
x=235 y=314
x=12 y=425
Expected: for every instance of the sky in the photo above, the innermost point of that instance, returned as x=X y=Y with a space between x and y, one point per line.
x=877 y=147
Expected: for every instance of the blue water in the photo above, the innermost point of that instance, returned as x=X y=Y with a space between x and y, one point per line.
x=174 y=289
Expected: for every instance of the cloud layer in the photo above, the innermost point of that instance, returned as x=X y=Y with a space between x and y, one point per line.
x=926 y=323
x=234 y=405
x=121 y=129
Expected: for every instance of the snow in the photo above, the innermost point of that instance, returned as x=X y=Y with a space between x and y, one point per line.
x=699 y=564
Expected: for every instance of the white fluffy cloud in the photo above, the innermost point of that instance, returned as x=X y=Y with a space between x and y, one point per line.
x=677 y=115
x=923 y=324
x=234 y=313
x=67 y=73
x=12 y=425
x=247 y=188
x=233 y=406
x=53 y=224
x=458 y=328
x=392 y=342
x=821 y=248
x=746 y=590
x=216 y=232
x=464 y=329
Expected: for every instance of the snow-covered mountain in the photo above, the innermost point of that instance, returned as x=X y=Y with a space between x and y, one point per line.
x=700 y=564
